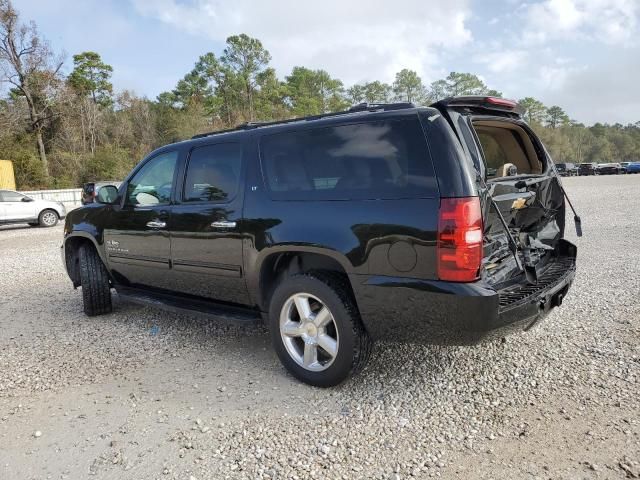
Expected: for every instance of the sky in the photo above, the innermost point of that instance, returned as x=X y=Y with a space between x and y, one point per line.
x=583 y=55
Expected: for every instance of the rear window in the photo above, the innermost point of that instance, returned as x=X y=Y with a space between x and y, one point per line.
x=373 y=160
x=213 y=173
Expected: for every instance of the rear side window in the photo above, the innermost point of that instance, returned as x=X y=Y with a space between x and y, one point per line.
x=213 y=173
x=384 y=159
x=9 y=196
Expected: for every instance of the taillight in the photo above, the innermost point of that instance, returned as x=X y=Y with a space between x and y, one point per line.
x=459 y=239
x=502 y=102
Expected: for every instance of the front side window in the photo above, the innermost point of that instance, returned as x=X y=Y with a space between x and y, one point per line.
x=373 y=160
x=213 y=173
x=9 y=196
x=153 y=183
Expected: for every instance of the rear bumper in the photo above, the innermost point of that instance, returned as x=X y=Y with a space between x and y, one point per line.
x=435 y=312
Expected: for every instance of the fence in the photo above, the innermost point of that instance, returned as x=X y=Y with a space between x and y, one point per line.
x=70 y=197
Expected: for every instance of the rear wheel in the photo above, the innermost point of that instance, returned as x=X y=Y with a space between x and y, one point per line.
x=316 y=329
x=94 y=279
x=48 y=218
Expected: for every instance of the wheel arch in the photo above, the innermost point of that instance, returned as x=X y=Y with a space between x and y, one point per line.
x=71 y=248
x=49 y=208
x=291 y=260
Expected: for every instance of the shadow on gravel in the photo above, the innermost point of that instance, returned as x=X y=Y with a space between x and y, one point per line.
x=7 y=228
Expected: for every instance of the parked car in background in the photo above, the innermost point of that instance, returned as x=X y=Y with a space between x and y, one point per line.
x=19 y=208
x=610 y=169
x=567 y=169
x=90 y=190
x=588 y=169
x=380 y=222
x=624 y=165
x=633 y=167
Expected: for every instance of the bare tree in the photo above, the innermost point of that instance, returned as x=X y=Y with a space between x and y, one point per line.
x=28 y=65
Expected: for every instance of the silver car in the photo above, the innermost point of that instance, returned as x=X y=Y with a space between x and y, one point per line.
x=19 y=208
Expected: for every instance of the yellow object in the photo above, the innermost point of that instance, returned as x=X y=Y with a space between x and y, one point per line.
x=518 y=204
x=7 y=179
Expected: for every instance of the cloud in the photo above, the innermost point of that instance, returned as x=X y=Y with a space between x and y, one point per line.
x=503 y=61
x=609 y=21
x=604 y=92
x=357 y=40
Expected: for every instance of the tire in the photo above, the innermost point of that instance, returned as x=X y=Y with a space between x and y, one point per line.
x=94 y=279
x=48 y=218
x=343 y=334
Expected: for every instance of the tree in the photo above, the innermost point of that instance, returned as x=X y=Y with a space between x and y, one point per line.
x=439 y=90
x=458 y=83
x=535 y=111
x=371 y=92
x=91 y=76
x=27 y=63
x=312 y=92
x=270 y=99
x=377 y=92
x=356 y=94
x=556 y=117
x=408 y=86
x=246 y=58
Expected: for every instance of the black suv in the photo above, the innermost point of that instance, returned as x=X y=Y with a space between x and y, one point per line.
x=567 y=169
x=439 y=224
x=590 y=168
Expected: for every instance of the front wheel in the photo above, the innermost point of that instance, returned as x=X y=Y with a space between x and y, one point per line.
x=94 y=279
x=316 y=329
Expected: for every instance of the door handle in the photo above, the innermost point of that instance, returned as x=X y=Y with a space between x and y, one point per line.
x=223 y=224
x=156 y=224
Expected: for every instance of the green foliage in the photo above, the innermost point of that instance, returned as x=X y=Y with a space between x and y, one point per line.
x=408 y=87
x=312 y=92
x=535 y=111
x=556 y=117
x=458 y=83
x=108 y=163
x=90 y=76
x=27 y=167
x=372 y=92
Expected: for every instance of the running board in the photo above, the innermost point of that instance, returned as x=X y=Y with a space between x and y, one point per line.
x=179 y=304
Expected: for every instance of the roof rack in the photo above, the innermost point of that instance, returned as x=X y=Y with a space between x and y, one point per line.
x=361 y=107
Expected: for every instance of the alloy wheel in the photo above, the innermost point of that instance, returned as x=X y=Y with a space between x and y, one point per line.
x=49 y=218
x=308 y=331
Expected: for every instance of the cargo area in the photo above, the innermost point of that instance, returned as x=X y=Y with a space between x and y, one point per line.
x=523 y=208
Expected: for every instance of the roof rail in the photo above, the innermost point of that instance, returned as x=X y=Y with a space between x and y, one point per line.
x=364 y=106
x=361 y=107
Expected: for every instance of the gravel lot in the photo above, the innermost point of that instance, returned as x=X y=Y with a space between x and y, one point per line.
x=146 y=394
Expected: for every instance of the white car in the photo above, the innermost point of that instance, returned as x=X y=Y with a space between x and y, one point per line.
x=18 y=208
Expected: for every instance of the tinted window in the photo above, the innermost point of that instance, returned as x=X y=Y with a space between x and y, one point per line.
x=385 y=159
x=153 y=183
x=9 y=196
x=213 y=173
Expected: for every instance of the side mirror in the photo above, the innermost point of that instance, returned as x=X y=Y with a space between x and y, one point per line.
x=26 y=199
x=107 y=195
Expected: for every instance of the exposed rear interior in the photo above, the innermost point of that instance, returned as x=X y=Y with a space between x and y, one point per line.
x=506 y=144
x=530 y=202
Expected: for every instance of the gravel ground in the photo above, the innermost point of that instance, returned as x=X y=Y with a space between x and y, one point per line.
x=146 y=394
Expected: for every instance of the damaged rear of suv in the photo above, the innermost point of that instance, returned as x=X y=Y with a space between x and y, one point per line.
x=525 y=258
